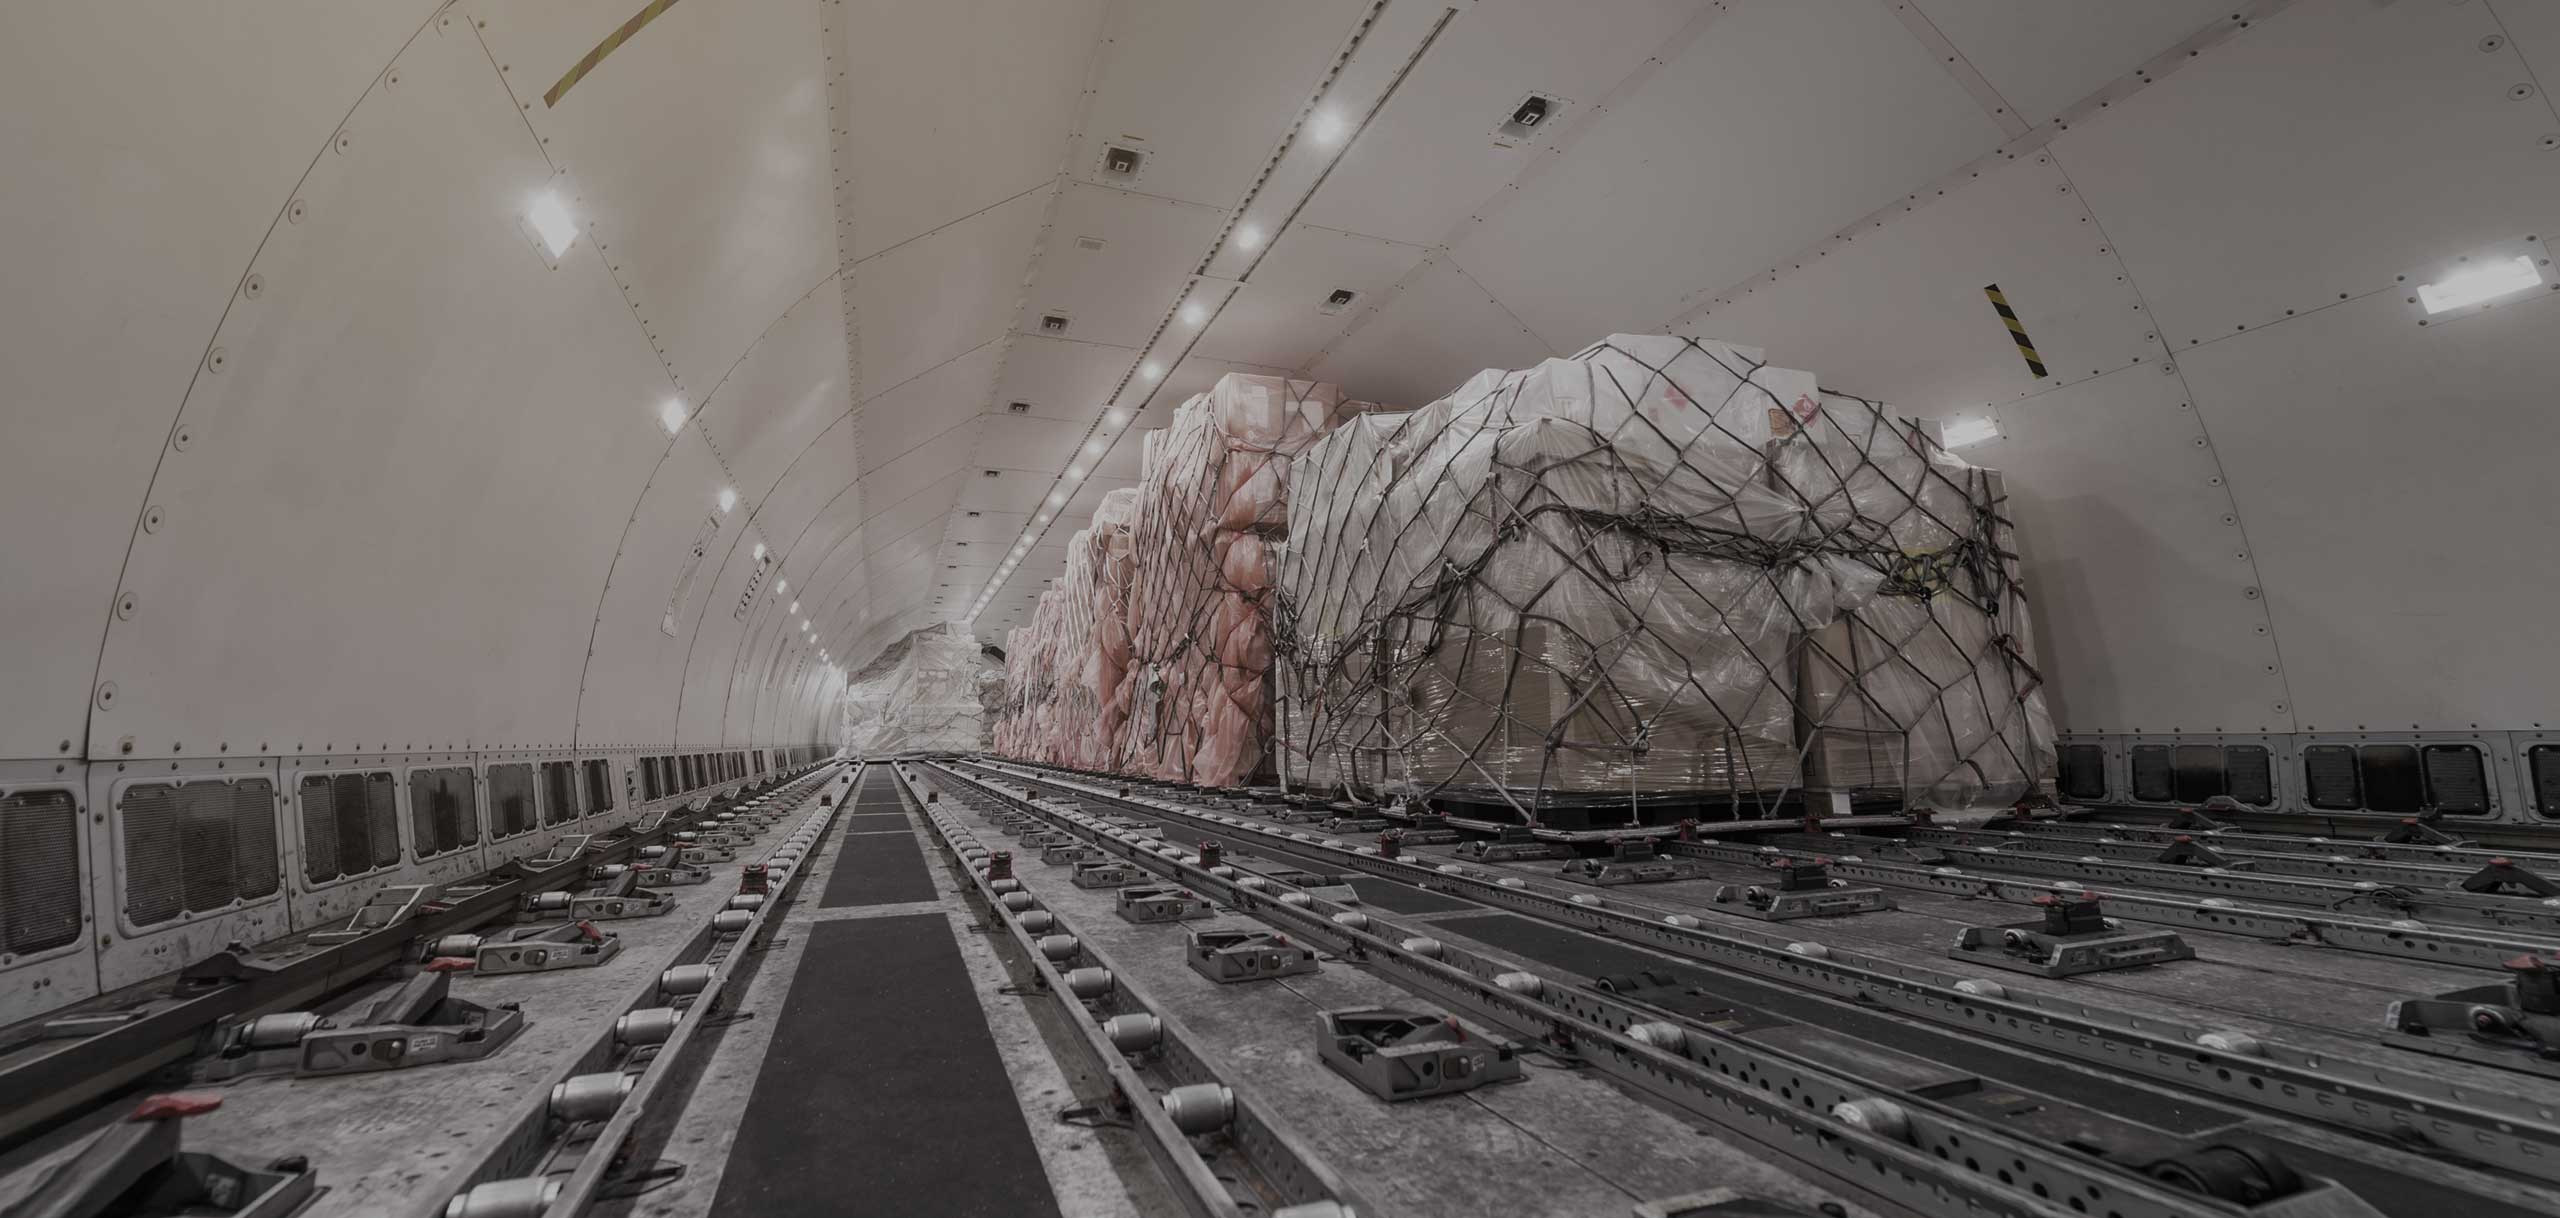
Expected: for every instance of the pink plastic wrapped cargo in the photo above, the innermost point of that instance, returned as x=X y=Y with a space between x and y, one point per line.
x=1212 y=502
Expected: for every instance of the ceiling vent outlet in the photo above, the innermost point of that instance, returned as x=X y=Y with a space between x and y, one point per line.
x=1053 y=323
x=1535 y=112
x=1338 y=300
x=995 y=473
x=1019 y=407
x=1123 y=162
x=1090 y=245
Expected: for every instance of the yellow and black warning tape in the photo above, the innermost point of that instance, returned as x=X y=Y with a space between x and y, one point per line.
x=2026 y=346
x=604 y=48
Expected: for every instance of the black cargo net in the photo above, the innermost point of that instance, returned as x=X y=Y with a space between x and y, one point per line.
x=1658 y=578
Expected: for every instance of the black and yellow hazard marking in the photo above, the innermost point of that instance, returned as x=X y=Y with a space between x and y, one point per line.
x=2026 y=346
x=604 y=48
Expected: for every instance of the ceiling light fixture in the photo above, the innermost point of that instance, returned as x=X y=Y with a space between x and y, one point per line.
x=1150 y=370
x=795 y=607
x=2479 y=284
x=672 y=414
x=552 y=222
x=1248 y=236
x=1964 y=433
x=759 y=551
x=1327 y=128
x=1194 y=312
x=1111 y=417
x=728 y=500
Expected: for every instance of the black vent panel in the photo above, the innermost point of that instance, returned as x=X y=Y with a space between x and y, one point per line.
x=2329 y=777
x=510 y=800
x=192 y=848
x=2457 y=779
x=2151 y=774
x=2251 y=774
x=444 y=810
x=350 y=824
x=39 y=871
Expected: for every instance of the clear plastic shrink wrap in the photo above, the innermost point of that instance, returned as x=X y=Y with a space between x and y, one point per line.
x=1660 y=568
x=922 y=695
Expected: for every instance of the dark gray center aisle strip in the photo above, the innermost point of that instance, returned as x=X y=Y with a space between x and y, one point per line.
x=883 y=1093
x=874 y=868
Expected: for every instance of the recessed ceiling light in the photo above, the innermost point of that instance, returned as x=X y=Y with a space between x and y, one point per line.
x=1248 y=236
x=1075 y=473
x=795 y=606
x=759 y=551
x=1327 y=128
x=1150 y=370
x=782 y=585
x=1962 y=433
x=552 y=222
x=672 y=415
x=728 y=499
x=1194 y=312
x=1111 y=417
x=2474 y=285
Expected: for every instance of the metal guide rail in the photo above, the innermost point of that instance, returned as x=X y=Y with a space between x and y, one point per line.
x=1902 y=1149
x=2224 y=851
x=2425 y=903
x=560 y=1152
x=1146 y=1053
x=2404 y=938
x=2456 y=852
x=106 y=1047
x=2489 y=1127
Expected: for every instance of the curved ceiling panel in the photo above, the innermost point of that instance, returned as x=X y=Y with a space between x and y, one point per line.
x=141 y=204
x=382 y=512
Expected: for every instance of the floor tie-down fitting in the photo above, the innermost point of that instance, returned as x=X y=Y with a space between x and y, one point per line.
x=417 y=1024
x=1404 y=1055
x=2513 y=1024
x=2075 y=937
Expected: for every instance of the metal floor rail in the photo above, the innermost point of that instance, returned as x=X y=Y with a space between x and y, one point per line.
x=1901 y=1150
x=2493 y=1128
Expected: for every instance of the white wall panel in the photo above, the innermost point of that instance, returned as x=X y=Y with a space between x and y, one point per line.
x=387 y=513
x=631 y=683
x=2396 y=483
x=1003 y=77
x=1210 y=86
x=2046 y=55
x=788 y=389
x=1426 y=338
x=1781 y=124
x=149 y=150
x=1278 y=316
x=2320 y=152
x=1900 y=314
x=2143 y=604
x=932 y=407
x=816 y=475
x=1430 y=157
x=1120 y=293
x=1061 y=379
x=928 y=300
x=712 y=199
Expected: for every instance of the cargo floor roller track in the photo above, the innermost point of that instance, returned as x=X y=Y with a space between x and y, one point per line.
x=2387 y=1178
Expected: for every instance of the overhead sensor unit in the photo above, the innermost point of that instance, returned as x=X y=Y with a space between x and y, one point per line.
x=1053 y=323
x=1338 y=300
x=973 y=515
x=994 y=473
x=1018 y=407
x=1536 y=111
x=1122 y=161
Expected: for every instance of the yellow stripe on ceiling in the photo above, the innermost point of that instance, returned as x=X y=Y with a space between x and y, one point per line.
x=604 y=48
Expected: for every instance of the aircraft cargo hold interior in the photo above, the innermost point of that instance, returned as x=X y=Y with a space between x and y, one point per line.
x=1333 y=609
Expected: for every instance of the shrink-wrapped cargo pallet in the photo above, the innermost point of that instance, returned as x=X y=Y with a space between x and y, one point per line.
x=924 y=694
x=1660 y=578
x=1212 y=504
